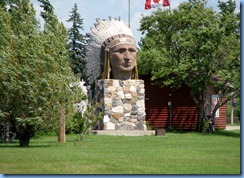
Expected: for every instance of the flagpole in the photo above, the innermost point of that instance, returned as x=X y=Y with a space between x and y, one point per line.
x=129 y=13
x=170 y=7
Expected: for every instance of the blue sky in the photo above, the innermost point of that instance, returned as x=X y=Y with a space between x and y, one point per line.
x=92 y=9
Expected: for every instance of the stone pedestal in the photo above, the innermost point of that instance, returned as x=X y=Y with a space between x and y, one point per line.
x=123 y=104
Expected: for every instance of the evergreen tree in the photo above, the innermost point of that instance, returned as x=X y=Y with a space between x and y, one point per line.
x=76 y=44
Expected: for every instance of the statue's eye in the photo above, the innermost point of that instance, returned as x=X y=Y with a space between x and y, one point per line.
x=120 y=50
x=132 y=50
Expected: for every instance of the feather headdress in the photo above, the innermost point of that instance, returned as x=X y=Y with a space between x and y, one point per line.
x=105 y=35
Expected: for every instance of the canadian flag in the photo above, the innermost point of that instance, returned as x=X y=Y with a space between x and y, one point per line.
x=154 y=3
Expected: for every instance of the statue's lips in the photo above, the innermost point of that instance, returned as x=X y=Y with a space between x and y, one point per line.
x=127 y=64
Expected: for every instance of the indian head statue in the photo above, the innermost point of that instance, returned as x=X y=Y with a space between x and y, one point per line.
x=111 y=64
x=111 y=51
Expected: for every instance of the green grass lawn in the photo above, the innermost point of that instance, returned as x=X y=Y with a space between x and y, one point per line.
x=174 y=153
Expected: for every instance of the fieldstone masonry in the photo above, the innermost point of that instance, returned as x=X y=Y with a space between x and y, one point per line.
x=123 y=104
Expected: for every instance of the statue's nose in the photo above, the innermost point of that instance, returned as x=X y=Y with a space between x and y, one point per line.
x=127 y=55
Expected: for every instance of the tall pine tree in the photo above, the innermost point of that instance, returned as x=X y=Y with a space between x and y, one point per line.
x=76 y=44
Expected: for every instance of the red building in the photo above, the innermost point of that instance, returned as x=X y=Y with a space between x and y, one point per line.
x=167 y=108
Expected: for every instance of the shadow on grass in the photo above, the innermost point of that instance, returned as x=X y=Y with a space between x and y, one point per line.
x=9 y=145
x=228 y=133
x=177 y=131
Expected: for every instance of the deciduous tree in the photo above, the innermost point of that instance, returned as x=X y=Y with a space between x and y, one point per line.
x=191 y=46
x=35 y=73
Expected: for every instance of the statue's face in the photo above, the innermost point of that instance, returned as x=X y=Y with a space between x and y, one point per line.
x=123 y=58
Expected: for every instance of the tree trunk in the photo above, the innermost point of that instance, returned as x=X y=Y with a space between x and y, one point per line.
x=199 y=111
x=199 y=120
x=24 y=139
x=61 y=129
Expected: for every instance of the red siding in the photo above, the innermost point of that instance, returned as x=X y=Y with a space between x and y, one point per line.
x=184 y=113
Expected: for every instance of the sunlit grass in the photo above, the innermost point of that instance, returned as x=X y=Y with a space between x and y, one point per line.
x=175 y=153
